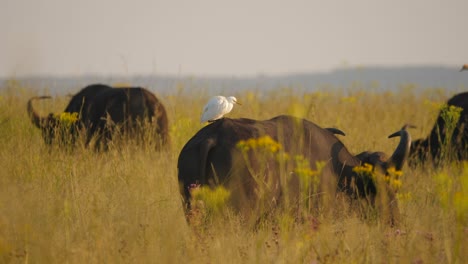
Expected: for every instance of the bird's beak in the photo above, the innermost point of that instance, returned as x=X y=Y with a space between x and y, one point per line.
x=238 y=103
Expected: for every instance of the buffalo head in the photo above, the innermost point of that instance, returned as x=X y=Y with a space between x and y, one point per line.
x=53 y=126
x=64 y=127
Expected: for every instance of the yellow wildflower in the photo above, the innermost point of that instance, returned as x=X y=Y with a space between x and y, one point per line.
x=265 y=143
x=67 y=119
x=214 y=199
x=365 y=169
x=392 y=171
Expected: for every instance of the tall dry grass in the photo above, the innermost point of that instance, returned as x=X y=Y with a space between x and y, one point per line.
x=123 y=205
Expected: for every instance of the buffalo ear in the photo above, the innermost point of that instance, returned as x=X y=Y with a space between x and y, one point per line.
x=49 y=122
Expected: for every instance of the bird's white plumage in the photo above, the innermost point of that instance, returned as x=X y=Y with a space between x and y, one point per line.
x=217 y=107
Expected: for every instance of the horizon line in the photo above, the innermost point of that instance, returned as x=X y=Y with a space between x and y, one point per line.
x=227 y=76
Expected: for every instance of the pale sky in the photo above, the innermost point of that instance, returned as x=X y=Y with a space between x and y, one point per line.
x=228 y=38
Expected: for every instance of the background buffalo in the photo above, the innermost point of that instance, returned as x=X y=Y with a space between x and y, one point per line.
x=97 y=110
x=437 y=146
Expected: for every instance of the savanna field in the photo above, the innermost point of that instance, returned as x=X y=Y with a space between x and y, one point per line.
x=123 y=205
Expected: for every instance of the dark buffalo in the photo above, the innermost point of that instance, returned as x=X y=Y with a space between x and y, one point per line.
x=97 y=105
x=432 y=147
x=212 y=157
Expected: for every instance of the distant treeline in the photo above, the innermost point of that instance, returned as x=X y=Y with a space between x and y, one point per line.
x=368 y=78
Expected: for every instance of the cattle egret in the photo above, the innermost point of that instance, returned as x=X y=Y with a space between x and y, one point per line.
x=217 y=107
x=464 y=68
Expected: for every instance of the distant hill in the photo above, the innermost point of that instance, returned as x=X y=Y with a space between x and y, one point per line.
x=374 y=78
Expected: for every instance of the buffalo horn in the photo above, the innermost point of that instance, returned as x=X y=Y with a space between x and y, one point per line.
x=401 y=153
x=37 y=120
x=335 y=131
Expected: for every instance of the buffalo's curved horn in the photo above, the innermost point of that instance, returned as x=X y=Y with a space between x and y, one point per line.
x=335 y=131
x=36 y=119
x=401 y=153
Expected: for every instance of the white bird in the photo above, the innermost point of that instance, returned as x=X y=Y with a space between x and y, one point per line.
x=217 y=107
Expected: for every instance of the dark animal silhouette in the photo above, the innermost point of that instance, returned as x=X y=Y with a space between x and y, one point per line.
x=212 y=157
x=97 y=104
x=432 y=148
